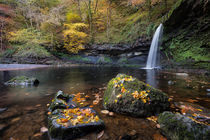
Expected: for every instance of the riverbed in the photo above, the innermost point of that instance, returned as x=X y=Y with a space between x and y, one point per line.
x=26 y=107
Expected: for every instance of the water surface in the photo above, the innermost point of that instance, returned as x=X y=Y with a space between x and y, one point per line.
x=27 y=110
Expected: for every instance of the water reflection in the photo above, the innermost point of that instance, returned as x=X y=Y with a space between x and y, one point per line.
x=151 y=77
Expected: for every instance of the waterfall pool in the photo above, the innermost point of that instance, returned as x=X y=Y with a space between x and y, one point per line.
x=26 y=110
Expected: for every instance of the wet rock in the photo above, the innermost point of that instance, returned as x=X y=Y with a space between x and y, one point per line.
x=208 y=94
x=43 y=130
x=69 y=120
x=62 y=101
x=111 y=113
x=177 y=126
x=128 y=95
x=23 y=81
x=106 y=112
x=208 y=90
x=72 y=123
x=2 y=109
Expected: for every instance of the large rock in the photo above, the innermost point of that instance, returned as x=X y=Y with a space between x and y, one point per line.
x=128 y=95
x=22 y=80
x=180 y=127
x=69 y=120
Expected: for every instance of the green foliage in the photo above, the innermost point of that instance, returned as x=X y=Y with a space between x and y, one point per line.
x=79 y=58
x=72 y=18
x=103 y=60
x=123 y=60
x=47 y=3
x=9 y=52
x=195 y=48
x=28 y=43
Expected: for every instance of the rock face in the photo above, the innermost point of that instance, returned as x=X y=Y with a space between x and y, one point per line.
x=22 y=80
x=128 y=95
x=180 y=127
x=67 y=120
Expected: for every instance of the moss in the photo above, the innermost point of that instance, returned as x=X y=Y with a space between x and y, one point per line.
x=179 y=127
x=153 y=101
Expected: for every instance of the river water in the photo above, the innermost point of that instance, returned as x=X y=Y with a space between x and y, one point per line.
x=27 y=111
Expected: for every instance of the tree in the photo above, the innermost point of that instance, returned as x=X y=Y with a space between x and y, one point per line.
x=74 y=33
x=5 y=21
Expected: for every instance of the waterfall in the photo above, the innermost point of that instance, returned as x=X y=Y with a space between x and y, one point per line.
x=154 y=53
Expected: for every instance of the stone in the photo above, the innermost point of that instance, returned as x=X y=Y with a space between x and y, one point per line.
x=65 y=127
x=2 y=109
x=23 y=81
x=177 y=126
x=128 y=95
x=62 y=101
x=43 y=130
x=68 y=119
x=105 y=112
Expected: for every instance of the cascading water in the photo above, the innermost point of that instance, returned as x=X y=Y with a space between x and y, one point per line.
x=154 y=53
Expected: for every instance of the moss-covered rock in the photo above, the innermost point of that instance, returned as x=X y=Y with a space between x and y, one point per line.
x=128 y=95
x=67 y=124
x=62 y=101
x=68 y=120
x=180 y=127
x=22 y=80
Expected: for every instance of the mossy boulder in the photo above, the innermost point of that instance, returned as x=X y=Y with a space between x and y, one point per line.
x=68 y=120
x=127 y=95
x=22 y=80
x=62 y=101
x=180 y=127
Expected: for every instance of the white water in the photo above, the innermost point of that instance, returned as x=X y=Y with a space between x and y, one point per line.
x=154 y=53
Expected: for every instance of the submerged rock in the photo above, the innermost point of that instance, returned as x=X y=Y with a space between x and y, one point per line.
x=22 y=80
x=180 y=127
x=128 y=95
x=68 y=120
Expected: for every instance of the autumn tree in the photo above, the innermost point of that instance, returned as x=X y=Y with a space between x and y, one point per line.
x=74 y=33
x=5 y=20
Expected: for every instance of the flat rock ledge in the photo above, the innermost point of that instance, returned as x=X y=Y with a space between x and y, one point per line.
x=68 y=120
x=127 y=95
x=181 y=127
x=23 y=81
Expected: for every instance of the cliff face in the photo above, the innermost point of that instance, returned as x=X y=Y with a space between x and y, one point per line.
x=187 y=31
x=186 y=12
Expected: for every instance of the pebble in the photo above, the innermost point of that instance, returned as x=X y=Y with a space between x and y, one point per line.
x=158 y=126
x=106 y=112
x=43 y=130
x=111 y=113
x=2 y=109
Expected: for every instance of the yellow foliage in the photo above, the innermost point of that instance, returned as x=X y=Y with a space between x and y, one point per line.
x=74 y=36
x=72 y=18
